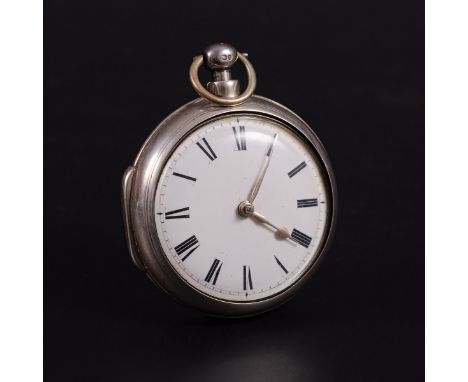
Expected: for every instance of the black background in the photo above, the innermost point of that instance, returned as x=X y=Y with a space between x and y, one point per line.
x=352 y=69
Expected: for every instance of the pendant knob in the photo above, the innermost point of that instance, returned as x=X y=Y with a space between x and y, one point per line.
x=219 y=58
x=224 y=90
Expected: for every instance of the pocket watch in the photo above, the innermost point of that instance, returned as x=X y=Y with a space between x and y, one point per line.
x=231 y=202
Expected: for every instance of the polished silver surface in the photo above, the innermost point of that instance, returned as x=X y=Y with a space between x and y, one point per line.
x=219 y=59
x=219 y=56
x=126 y=189
x=223 y=90
x=139 y=189
x=226 y=89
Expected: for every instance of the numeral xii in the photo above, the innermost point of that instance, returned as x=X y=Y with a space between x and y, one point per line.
x=241 y=143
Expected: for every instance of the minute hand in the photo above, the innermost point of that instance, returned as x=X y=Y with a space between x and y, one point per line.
x=258 y=182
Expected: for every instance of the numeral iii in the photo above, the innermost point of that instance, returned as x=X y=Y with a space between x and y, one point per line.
x=306 y=203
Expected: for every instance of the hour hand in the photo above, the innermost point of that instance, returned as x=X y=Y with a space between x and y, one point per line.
x=246 y=209
x=281 y=232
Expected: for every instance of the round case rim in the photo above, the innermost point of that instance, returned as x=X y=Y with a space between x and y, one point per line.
x=139 y=186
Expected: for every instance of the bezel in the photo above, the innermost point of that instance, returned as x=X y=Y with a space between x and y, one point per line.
x=141 y=180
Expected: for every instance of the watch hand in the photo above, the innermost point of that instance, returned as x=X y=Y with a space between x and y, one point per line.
x=260 y=177
x=246 y=209
x=281 y=232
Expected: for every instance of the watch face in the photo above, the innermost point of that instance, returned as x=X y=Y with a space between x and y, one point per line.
x=246 y=256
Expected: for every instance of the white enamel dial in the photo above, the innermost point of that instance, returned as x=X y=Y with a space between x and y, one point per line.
x=208 y=175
